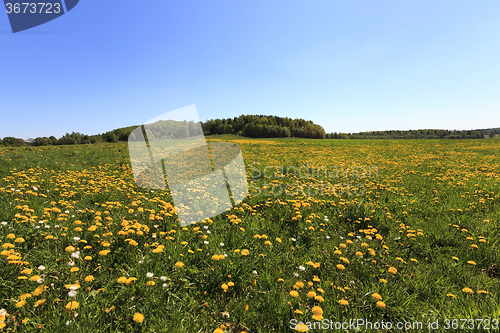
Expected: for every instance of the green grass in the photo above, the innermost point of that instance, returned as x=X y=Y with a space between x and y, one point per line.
x=425 y=202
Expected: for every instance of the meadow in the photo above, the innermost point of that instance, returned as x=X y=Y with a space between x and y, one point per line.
x=331 y=232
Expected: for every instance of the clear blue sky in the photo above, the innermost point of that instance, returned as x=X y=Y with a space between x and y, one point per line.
x=347 y=65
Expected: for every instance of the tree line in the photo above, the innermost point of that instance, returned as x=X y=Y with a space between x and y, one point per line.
x=260 y=126
x=253 y=126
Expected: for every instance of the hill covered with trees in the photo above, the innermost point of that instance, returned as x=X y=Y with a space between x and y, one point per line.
x=253 y=126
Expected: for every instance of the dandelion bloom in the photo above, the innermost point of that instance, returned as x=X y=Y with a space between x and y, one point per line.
x=377 y=296
x=230 y=284
x=74 y=269
x=130 y=280
x=39 y=302
x=69 y=249
x=72 y=305
x=301 y=327
x=468 y=290
x=482 y=292
x=89 y=278
x=451 y=295
x=319 y=299
x=20 y=304
x=138 y=317
x=224 y=286
x=122 y=279
x=381 y=304
x=317 y=313
x=179 y=264
x=392 y=270
x=88 y=258
x=359 y=254
x=383 y=280
x=151 y=283
x=34 y=278
x=343 y=302
x=340 y=266
x=293 y=293
x=218 y=330
x=471 y=262
x=245 y=252
x=298 y=285
x=104 y=252
x=25 y=296
x=311 y=294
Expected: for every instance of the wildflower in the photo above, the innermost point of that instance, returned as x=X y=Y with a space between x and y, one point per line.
x=122 y=279
x=25 y=296
x=224 y=287
x=468 y=290
x=340 y=266
x=138 y=317
x=130 y=280
x=343 y=302
x=471 y=262
x=293 y=293
x=179 y=264
x=383 y=280
x=392 y=270
x=39 y=302
x=69 y=249
x=72 y=293
x=311 y=294
x=301 y=327
x=377 y=296
x=20 y=304
x=381 y=304
x=104 y=252
x=150 y=283
x=149 y=275
x=317 y=313
x=451 y=295
x=72 y=305
x=89 y=278
x=302 y=268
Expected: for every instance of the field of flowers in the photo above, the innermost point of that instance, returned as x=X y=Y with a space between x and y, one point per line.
x=331 y=231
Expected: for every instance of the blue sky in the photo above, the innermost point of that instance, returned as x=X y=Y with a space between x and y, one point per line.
x=348 y=65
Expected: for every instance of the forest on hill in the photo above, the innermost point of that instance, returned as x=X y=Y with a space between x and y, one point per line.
x=252 y=126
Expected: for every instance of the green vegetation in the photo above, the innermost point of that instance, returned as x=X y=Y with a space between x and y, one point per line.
x=394 y=230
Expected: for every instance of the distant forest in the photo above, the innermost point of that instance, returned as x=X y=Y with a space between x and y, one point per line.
x=252 y=126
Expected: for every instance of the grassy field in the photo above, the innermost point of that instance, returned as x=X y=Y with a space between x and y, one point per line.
x=332 y=232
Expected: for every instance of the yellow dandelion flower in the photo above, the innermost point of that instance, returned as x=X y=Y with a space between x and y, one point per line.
x=451 y=295
x=468 y=290
x=179 y=264
x=138 y=317
x=377 y=296
x=392 y=270
x=294 y=293
x=70 y=249
x=89 y=278
x=311 y=294
x=340 y=266
x=381 y=304
x=72 y=305
x=39 y=302
x=343 y=302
